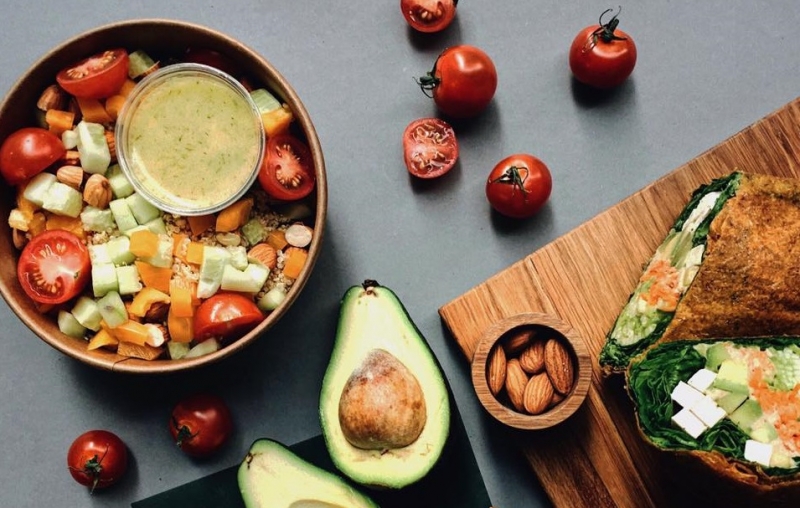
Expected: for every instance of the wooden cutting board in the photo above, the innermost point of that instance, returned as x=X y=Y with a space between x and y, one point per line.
x=597 y=458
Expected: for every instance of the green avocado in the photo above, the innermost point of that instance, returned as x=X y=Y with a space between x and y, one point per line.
x=271 y=476
x=384 y=404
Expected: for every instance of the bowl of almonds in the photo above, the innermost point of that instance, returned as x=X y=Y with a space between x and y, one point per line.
x=531 y=371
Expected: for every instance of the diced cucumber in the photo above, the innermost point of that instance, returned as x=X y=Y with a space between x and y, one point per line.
x=264 y=100
x=61 y=199
x=120 y=185
x=177 y=350
x=131 y=231
x=163 y=256
x=112 y=308
x=128 y=278
x=250 y=280
x=93 y=147
x=258 y=273
x=140 y=64
x=17 y=219
x=69 y=325
x=238 y=257
x=141 y=209
x=206 y=347
x=104 y=279
x=715 y=355
x=211 y=269
x=95 y=219
x=122 y=214
x=37 y=187
x=87 y=313
x=119 y=249
x=254 y=232
x=157 y=226
x=272 y=299
x=70 y=139
x=99 y=255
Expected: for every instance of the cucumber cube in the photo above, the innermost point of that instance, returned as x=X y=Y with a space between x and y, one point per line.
x=113 y=310
x=17 y=219
x=122 y=214
x=141 y=209
x=211 y=269
x=95 y=219
x=157 y=226
x=129 y=281
x=93 y=147
x=119 y=250
x=37 y=188
x=177 y=350
x=87 y=313
x=69 y=325
x=104 y=279
x=120 y=185
x=238 y=257
x=61 y=199
x=99 y=255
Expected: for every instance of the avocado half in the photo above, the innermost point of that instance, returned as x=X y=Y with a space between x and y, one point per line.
x=373 y=318
x=271 y=476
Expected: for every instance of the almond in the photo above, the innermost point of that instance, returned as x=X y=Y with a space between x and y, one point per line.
x=517 y=340
x=532 y=359
x=70 y=175
x=496 y=372
x=538 y=394
x=557 y=398
x=558 y=364
x=97 y=192
x=516 y=379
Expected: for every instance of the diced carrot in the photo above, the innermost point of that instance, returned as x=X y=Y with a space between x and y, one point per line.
x=114 y=105
x=93 y=111
x=295 y=259
x=145 y=299
x=277 y=121
x=194 y=253
x=181 y=297
x=26 y=206
x=181 y=329
x=277 y=238
x=144 y=243
x=178 y=247
x=199 y=224
x=153 y=276
x=142 y=351
x=102 y=339
x=130 y=331
x=37 y=224
x=234 y=216
x=127 y=88
x=59 y=121
x=71 y=224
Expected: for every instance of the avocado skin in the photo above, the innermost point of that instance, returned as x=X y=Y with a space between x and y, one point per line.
x=372 y=316
x=272 y=476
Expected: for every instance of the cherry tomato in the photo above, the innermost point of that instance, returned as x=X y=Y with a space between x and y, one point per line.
x=27 y=152
x=211 y=58
x=602 y=56
x=97 y=459
x=226 y=315
x=430 y=147
x=287 y=172
x=200 y=424
x=519 y=186
x=96 y=77
x=429 y=15
x=462 y=82
x=54 y=267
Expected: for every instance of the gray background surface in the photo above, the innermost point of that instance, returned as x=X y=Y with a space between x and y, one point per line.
x=705 y=71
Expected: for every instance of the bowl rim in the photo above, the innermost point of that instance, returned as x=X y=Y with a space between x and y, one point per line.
x=49 y=332
x=562 y=410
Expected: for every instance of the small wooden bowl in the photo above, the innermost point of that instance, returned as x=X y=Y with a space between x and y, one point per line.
x=544 y=326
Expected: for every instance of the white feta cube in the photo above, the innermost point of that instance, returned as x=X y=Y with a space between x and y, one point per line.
x=689 y=423
x=702 y=379
x=708 y=411
x=757 y=452
x=685 y=395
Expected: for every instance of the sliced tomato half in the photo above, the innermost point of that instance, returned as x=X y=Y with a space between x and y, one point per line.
x=54 y=267
x=226 y=315
x=96 y=77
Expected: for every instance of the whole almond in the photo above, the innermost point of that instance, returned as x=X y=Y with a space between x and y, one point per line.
x=516 y=380
x=70 y=175
x=538 y=394
x=532 y=358
x=557 y=398
x=517 y=340
x=496 y=372
x=558 y=364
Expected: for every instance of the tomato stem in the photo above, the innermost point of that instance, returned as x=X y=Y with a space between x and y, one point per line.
x=184 y=433
x=606 y=30
x=513 y=176
x=429 y=81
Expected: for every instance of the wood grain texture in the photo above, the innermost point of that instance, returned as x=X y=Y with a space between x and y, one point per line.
x=597 y=457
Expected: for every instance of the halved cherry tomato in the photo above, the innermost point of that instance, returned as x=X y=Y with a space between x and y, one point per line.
x=27 y=152
x=97 y=459
x=200 y=424
x=287 y=172
x=96 y=77
x=601 y=55
x=211 y=58
x=226 y=315
x=54 y=266
x=462 y=82
x=519 y=186
x=429 y=15
x=430 y=148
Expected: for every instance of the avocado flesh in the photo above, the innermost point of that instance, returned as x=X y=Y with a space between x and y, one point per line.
x=372 y=317
x=271 y=476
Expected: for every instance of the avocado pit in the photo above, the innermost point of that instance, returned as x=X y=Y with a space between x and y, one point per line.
x=382 y=405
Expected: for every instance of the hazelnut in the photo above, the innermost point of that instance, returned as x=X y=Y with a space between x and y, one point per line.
x=53 y=97
x=97 y=192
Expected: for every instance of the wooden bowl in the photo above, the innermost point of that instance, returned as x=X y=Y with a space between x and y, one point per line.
x=540 y=328
x=157 y=37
